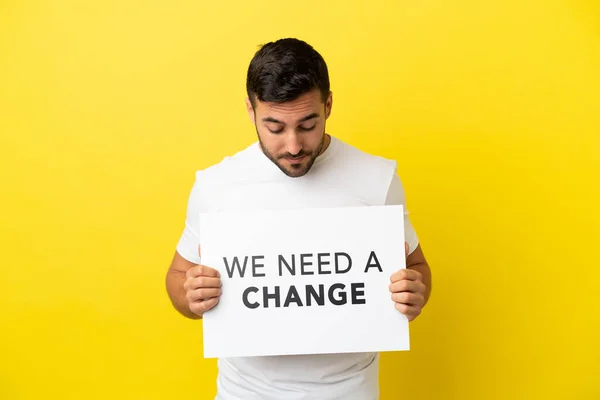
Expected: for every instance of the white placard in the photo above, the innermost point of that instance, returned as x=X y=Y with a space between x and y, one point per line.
x=315 y=281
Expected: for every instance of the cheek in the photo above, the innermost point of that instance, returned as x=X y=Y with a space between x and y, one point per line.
x=270 y=141
x=316 y=136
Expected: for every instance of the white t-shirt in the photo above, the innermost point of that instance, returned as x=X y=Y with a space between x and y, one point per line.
x=342 y=176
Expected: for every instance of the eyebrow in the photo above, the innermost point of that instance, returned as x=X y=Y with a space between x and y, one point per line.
x=303 y=119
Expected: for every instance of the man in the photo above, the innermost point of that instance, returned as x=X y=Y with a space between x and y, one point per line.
x=294 y=164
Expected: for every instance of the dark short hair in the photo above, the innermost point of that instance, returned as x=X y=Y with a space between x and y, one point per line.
x=285 y=69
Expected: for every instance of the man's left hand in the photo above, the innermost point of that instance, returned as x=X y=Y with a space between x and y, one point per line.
x=408 y=291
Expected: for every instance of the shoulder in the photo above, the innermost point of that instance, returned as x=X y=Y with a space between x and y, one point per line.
x=368 y=174
x=217 y=179
x=361 y=158
x=231 y=165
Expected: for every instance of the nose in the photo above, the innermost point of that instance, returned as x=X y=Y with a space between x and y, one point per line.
x=293 y=144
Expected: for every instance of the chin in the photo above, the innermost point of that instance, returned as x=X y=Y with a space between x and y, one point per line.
x=294 y=172
x=300 y=170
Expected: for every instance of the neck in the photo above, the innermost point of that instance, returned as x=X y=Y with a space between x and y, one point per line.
x=326 y=142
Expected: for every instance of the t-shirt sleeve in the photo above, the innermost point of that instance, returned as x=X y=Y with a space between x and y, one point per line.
x=396 y=196
x=189 y=241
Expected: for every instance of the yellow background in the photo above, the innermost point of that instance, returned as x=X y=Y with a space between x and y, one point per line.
x=492 y=109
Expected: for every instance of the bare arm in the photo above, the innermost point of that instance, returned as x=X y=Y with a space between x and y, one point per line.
x=416 y=261
x=176 y=277
x=192 y=288
x=411 y=286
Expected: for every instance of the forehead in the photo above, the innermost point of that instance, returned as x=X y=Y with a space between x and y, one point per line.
x=307 y=103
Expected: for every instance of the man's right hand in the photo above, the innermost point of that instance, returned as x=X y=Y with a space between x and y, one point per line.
x=202 y=288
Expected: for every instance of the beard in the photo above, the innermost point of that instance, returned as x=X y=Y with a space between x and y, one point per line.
x=293 y=170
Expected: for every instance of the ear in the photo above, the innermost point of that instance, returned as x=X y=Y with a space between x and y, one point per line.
x=328 y=105
x=250 y=110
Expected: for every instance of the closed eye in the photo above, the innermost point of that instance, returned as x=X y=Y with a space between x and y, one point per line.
x=274 y=128
x=305 y=129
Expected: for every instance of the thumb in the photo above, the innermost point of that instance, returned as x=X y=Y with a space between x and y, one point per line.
x=406 y=249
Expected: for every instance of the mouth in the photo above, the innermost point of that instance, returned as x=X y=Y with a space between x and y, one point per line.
x=295 y=160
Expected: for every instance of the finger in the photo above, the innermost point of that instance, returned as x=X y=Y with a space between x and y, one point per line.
x=408 y=298
x=202 y=270
x=406 y=273
x=200 y=307
x=411 y=312
x=406 y=248
x=203 y=294
x=202 y=282
x=407 y=286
